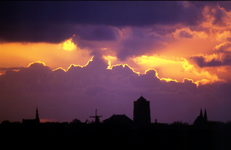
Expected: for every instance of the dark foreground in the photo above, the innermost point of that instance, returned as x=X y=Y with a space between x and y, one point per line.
x=102 y=136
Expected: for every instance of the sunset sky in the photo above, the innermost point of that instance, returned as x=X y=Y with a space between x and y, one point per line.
x=70 y=58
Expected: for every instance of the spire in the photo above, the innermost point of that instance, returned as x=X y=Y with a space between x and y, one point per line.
x=37 y=115
x=205 y=116
x=201 y=113
x=141 y=99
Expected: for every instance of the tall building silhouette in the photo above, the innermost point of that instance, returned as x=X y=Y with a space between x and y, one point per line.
x=32 y=121
x=141 y=111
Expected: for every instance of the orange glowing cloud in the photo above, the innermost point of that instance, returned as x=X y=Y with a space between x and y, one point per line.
x=226 y=46
x=145 y=64
x=74 y=65
x=210 y=15
x=34 y=63
x=19 y=54
x=222 y=36
x=68 y=45
x=187 y=33
x=176 y=69
x=152 y=61
x=161 y=79
x=110 y=66
x=168 y=69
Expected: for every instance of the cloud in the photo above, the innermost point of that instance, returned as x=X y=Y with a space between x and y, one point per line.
x=126 y=42
x=139 y=41
x=55 y=22
x=219 y=15
x=216 y=16
x=129 y=13
x=223 y=47
x=221 y=57
x=10 y=69
x=76 y=92
x=35 y=32
x=228 y=39
x=97 y=33
x=224 y=60
x=185 y=34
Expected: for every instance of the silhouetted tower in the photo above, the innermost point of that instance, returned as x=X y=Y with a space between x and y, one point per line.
x=32 y=121
x=205 y=116
x=96 y=117
x=37 y=115
x=201 y=120
x=201 y=113
x=141 y=111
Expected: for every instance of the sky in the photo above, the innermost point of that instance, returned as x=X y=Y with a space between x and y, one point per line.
x=70 y=58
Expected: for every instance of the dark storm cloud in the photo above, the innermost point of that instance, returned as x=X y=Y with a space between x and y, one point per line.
x=35 y=32
x=97 y=33
x=138 y=42
x=108 y=13
x=64 y=96
x=225 y=4
x=51 y=21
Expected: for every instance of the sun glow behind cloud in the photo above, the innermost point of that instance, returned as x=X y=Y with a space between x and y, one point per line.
x=74 y=65
x=68 y=45
x=19 y=54
x=171 y=61
x=110 y=66
x=176 y=69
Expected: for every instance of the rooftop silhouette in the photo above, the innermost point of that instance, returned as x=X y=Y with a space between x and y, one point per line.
x=120 y=120
x=139 y=130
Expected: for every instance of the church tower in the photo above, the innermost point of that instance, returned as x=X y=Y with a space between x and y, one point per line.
x=201 y=120
x=37 y=115
x=201 y=115
x=205 y=116
x=32 y=121
x=141 y=111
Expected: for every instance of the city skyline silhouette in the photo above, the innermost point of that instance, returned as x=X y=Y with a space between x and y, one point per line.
x=141 y=116
x=119 y=128
x=73 y=71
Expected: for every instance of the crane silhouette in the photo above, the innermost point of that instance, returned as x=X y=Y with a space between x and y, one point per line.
x=96 y=117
